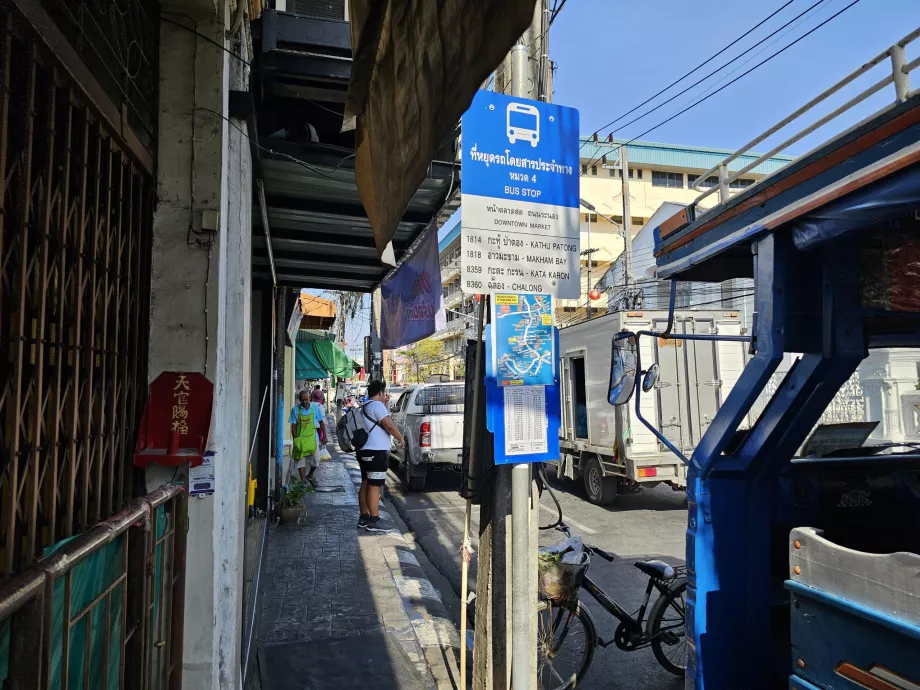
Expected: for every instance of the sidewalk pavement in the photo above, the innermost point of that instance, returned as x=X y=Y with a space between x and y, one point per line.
x=329 y=581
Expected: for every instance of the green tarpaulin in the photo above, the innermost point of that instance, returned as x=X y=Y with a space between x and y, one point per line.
x=333 y=359
x=317 y=357
x=306 y=365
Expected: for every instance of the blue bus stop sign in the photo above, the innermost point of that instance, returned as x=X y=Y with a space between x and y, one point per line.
x=521 y=220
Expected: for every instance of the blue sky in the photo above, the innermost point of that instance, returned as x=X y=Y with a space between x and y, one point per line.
x=611 y=56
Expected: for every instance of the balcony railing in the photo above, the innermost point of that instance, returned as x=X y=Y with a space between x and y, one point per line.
x=104 y=609
x=899 y=77
x=450 y=268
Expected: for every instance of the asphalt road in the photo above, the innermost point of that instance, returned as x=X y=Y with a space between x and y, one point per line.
x=648 y=525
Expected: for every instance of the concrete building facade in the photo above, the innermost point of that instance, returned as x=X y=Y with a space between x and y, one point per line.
x=660 y=176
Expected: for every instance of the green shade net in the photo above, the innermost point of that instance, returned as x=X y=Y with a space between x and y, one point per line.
x=333 y=359
x=89 y=582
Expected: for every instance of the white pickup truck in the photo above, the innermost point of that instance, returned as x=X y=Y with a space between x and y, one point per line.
x=430 y=418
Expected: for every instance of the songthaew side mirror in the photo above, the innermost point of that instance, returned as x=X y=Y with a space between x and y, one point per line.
x=622 y=368
x=650 y=378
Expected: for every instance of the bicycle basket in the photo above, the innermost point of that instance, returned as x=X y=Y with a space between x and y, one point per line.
x=559 y=582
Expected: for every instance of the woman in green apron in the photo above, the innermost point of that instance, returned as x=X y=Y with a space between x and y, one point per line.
x=308 y=431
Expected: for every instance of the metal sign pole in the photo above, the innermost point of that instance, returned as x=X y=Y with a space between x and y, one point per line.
x=521 y=596
x=521 y=245
x=466 y=548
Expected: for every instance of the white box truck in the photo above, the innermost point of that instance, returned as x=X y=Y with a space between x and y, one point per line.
x=604 y=445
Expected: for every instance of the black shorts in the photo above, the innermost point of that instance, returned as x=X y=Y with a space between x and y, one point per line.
x=374 y=465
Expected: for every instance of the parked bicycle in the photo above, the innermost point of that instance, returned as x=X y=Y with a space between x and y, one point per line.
x=566 y=637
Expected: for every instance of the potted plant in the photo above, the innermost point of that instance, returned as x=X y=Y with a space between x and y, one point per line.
x=291 y=506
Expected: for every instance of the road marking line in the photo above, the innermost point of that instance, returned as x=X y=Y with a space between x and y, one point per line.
x=578 y=525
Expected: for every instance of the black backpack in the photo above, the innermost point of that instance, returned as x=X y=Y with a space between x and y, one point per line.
x=352 y=435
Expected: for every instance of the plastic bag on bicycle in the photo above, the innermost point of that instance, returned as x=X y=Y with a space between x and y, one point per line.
x=561 y=568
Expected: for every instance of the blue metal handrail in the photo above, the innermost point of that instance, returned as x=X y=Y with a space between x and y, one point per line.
x=682 y=336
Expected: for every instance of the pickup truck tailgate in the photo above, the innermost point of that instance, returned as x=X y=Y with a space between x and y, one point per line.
x=446 y=430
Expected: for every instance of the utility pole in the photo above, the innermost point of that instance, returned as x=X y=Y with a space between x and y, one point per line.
x=588 y=253
x=376 y=368
x=506 y=616
x=627 y=222
x=520 y=497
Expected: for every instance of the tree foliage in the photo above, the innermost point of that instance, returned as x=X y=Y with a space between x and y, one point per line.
x=424 y=359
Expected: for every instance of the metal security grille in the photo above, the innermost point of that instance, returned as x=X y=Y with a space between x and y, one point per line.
x=322 y=9
x=117 y=41
x=75 y=229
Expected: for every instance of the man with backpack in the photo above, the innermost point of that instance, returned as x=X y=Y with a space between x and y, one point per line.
x=308 y=431
x=374 y=453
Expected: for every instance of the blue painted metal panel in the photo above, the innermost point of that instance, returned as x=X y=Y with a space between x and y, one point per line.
x=828 y=631
x=732 y=500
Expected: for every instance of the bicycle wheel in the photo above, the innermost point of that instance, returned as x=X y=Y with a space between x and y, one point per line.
x=565 y=645
x=667 y=628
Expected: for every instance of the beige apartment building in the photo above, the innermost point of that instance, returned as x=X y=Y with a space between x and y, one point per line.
x=658 y=173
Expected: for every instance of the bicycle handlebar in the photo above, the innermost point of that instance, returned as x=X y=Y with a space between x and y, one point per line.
x=564 y=528
x=600 y=552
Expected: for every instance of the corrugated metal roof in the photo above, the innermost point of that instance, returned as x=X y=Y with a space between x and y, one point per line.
x=671 y=155
x=445 y=241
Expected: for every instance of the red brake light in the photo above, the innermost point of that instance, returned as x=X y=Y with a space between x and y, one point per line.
x=424 y=435
x=647 y=472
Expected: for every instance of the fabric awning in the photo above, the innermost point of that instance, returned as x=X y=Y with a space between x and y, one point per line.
x=306 y=364
x=334 y=360
x=318 y=357
x=416 y=66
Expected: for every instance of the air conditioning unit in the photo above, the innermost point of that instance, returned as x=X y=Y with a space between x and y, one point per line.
x=319 y=9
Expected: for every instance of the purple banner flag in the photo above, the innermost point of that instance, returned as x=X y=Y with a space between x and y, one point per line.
x=412 y=304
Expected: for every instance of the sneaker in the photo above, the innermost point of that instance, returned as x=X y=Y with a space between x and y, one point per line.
x=362 y=521
x=373 y=524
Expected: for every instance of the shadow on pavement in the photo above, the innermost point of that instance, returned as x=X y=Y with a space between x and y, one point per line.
x=646 y=499
x=347 y=608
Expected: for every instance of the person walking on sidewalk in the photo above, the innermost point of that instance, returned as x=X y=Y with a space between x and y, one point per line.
x=374 y=456
x=308 y=431
x=317 y=396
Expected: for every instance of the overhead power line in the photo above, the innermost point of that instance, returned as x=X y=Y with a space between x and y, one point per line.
x=714 y=72
x=739 y=77
x=699 y=66
x=743 y=74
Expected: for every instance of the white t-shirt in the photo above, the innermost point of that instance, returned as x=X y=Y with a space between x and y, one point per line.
x=379 y=438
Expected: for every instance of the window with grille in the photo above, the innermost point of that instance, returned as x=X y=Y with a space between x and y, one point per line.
x=711 y=181
x=667 y=179
x=740 y=183
x=321 y=9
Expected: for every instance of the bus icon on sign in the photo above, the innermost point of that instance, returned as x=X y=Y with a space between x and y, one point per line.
x=523 y=123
